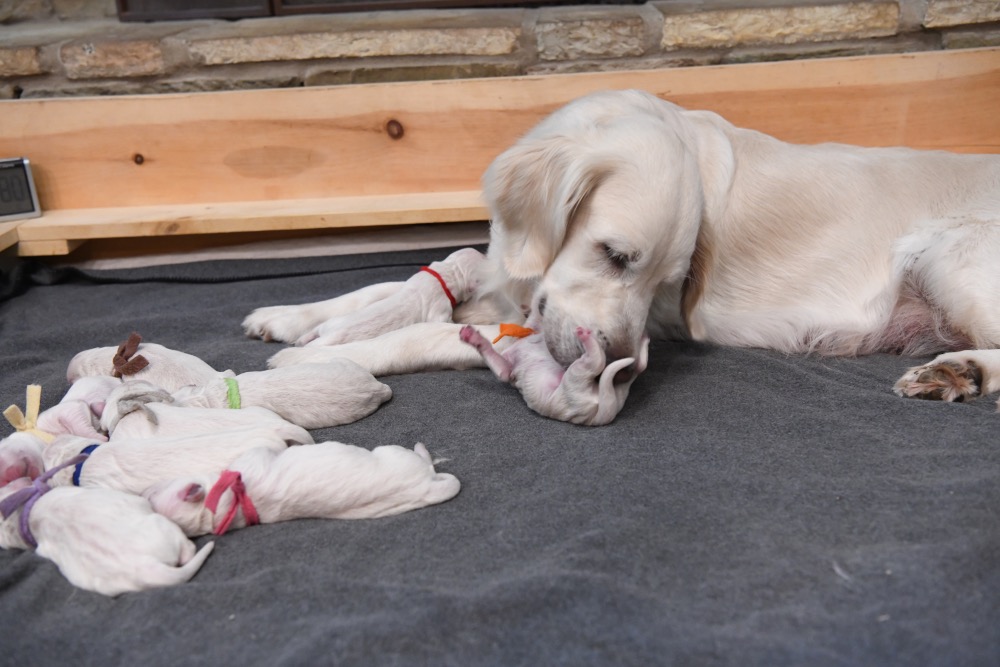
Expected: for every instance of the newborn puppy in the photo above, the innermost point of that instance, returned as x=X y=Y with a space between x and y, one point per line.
x=584 y=393
x=21 y=456
x=133 y=466
x=79 y=411
x=329 y=480
x=430 y=295
x=103 y=541
x=138 y=410
x=167 y=368
x=310 y=395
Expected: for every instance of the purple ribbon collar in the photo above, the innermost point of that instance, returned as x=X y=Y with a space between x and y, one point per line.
x=24 y=499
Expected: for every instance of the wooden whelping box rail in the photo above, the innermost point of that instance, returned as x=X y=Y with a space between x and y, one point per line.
x=400 y=153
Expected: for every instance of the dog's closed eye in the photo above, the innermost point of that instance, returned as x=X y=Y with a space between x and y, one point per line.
x=617 y=258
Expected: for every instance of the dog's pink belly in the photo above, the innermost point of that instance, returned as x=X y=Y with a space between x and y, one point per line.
x=916 y=328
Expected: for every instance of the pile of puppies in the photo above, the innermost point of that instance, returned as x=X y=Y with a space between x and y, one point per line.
x=151 y=446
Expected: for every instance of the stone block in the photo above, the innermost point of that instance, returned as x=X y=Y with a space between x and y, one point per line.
x=727 y=28
x=20 y=61
x=945 y=13
x=356 y=36
x=94 y=59
x=83 y=9
x=592 y=32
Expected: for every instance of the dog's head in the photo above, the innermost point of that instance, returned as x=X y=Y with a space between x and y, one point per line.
x=600 y=205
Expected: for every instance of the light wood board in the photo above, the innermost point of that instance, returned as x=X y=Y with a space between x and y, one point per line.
x=284 y=159
x=8 y=234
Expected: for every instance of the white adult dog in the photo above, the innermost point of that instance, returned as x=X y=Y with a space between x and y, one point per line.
x=626 y=214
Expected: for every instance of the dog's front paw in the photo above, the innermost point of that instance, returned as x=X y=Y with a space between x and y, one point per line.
x=946 y=380
x=285 y=324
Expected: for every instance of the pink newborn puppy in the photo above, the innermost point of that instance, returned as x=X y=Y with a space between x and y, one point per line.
x=584 y=393
x=79 y=411
x=329 y=480
x=138 y=410
x=104 y=541
x=134 y=466
x=21 y=456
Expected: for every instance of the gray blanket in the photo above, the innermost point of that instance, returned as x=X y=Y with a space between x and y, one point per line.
x=746 y=508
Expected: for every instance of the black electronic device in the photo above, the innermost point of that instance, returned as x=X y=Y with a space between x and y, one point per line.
x=18 y=198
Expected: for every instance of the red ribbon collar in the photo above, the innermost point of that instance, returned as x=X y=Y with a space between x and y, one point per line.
x=444 y=285
x=231 y=480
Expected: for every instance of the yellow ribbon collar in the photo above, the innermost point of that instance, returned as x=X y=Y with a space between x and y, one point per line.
x=28 y=423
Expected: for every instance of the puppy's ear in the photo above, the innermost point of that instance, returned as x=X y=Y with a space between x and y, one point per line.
x=533 y=189
x=192 y=493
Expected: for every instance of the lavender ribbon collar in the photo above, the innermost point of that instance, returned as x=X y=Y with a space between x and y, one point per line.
x=24 y=499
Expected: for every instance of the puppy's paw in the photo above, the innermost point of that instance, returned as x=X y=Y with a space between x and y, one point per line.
x=950 y=380
x=285 y=324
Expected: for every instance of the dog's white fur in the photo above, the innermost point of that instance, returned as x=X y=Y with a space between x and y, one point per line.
x=133 y=466
x=328 y=480
x=138 y=410
x=310 y=395
x=169 y=369
x=78 y=413
x=105 y=541
x=625 y=214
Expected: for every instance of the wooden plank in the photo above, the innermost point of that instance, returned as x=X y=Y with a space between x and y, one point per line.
x=334 y=142
x=8 y=234
x=42 y=236
x=47 y=248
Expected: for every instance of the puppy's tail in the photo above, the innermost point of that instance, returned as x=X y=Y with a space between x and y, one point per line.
x=442 y=486
x=166 y=575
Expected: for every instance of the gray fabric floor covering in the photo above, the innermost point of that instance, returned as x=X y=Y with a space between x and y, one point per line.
x=745 y=508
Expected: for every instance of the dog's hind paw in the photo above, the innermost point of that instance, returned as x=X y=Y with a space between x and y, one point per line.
x=946 y=380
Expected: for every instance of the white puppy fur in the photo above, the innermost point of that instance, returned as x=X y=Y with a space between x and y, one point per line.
x=78 y=413
x=584 y=393
x=138 y=410
x=329 y=480
x=105 y=541
x=422 y=298
x=625 y=214
x=170 y=369
x=133 y=466
x=310 y=395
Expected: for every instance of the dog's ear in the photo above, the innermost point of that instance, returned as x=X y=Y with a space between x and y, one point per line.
x=192 y=493
x=533 y=189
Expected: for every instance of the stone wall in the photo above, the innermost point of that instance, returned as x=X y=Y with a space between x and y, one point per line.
x=78 y=47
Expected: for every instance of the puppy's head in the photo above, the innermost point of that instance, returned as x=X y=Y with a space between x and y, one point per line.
x=600 y=209
x=182 y=500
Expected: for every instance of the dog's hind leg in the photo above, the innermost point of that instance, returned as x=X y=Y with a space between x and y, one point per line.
x=953 y=376
x=956 y=266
